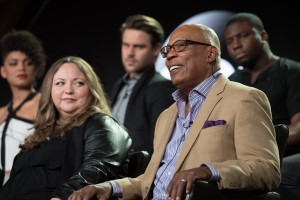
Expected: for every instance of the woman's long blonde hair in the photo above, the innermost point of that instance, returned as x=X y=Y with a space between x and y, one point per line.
x=46 y=122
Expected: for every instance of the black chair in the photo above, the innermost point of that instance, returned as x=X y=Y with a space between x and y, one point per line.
x=210 y=190
x=282 y=134
x=138 y=162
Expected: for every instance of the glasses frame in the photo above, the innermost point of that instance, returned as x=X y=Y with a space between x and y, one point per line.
x=166 y=49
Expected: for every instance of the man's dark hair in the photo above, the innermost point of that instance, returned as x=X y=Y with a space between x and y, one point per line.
x=146 y=24
x=251 y=18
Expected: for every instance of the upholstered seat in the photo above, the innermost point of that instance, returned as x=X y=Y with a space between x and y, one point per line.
x=138 y=162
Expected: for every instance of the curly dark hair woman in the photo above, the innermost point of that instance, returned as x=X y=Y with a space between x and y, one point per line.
x=23 y=63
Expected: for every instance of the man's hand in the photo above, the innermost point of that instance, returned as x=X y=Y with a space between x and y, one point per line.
x=182 y=181
x=102 y=191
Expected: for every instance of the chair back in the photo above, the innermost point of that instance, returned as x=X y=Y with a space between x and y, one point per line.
x=138 y=162
x=282 y=134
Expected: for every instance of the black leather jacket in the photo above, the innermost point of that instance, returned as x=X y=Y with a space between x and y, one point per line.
x=97 y=151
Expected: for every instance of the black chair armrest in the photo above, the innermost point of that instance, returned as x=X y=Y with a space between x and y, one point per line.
x=210 y=190
x=138 y=162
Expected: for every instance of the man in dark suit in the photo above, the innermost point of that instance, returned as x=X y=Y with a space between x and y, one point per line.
x=142 y=93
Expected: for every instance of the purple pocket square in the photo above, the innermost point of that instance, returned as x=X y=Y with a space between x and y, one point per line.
x=209 y=123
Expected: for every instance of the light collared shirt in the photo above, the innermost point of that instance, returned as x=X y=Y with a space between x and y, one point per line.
x=183 y=124
x=196 y=98
x=119 y=108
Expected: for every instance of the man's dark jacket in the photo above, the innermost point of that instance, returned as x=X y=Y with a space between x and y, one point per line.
x=150 y=96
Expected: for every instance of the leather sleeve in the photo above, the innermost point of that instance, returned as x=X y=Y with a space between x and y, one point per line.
x=105 y=149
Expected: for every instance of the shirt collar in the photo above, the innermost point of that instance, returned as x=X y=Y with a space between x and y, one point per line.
x=203 y=88
x=125 y=78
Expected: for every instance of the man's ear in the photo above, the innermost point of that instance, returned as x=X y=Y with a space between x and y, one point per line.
x=212 y=54
x=157 y=49
x=264 y=36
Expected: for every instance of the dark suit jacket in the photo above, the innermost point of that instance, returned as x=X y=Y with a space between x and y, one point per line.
x=150 y=96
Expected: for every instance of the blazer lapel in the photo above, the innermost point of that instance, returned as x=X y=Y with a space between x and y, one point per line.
x=140 y=85
x=170 y=119
x=208 y=105
x=164 y=131
x=116 y=89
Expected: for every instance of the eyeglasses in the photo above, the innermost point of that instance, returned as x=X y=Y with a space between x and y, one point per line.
x=178 y=46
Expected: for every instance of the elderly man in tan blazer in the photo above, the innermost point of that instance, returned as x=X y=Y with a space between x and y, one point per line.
x=217 y=130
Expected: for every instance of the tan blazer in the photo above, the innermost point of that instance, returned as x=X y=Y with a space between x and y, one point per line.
x=244 y=150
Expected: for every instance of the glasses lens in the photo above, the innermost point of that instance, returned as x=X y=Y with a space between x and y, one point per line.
x=164 y=51
x=179 y=45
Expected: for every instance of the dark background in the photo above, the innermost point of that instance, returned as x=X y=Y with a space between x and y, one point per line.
x=90 y=28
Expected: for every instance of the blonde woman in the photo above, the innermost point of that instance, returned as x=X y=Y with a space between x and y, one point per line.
x=76 y=142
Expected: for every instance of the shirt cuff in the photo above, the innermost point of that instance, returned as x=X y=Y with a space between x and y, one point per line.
x=116 y=189
x=215 y=174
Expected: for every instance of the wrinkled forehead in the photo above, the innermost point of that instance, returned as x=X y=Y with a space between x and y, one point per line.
x=186 y=32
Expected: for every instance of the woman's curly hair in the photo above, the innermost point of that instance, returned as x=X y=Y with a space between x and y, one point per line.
x=27 y=43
